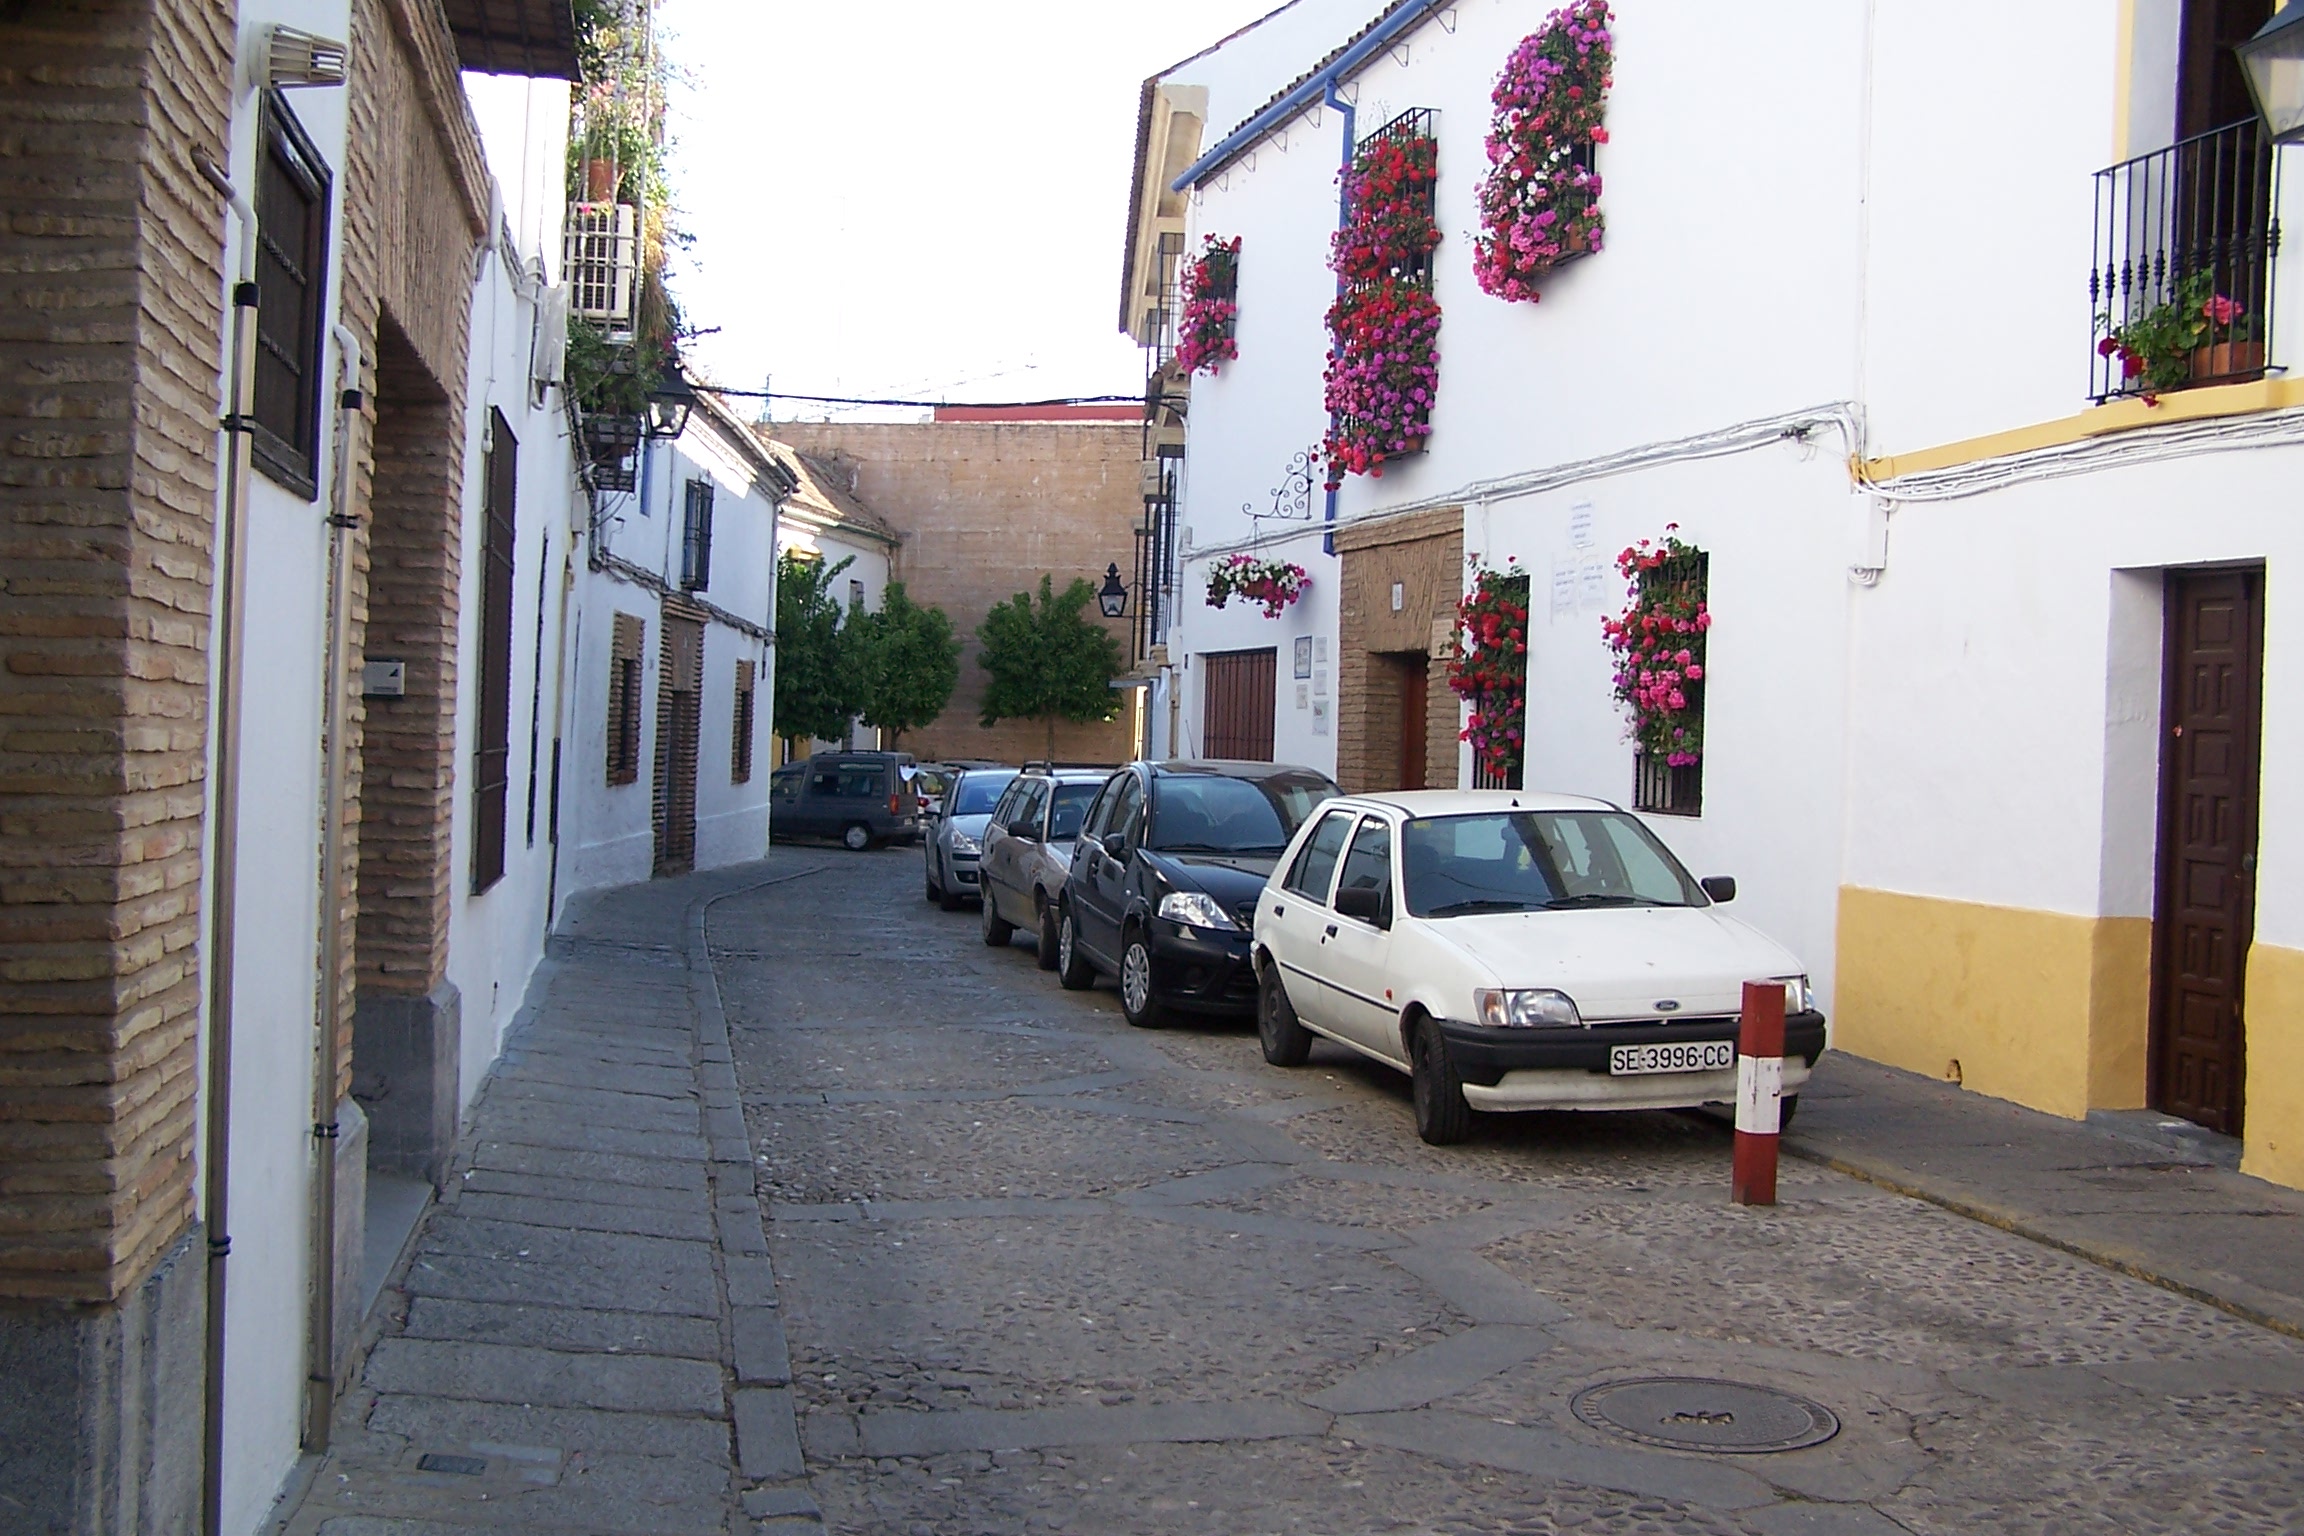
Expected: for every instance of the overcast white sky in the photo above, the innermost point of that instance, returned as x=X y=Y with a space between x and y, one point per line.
x=924 y=198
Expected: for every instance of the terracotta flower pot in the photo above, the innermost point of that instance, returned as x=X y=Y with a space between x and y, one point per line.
x=599 y=180
x=2227 y=359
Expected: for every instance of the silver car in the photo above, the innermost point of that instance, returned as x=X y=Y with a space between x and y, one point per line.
x=955 y=838
x=1028 y=852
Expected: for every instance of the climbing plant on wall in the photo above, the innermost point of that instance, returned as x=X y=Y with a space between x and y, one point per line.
x=1384 y=328
x=1489 y=671
x=1540 y=203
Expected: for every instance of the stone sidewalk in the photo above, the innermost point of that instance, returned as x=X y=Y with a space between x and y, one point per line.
x=585 y=1337
x=2151 y=1198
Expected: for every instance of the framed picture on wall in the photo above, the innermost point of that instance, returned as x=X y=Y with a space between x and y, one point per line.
x=1303 y=655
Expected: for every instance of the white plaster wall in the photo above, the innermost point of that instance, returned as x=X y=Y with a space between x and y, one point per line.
x=1775 y=523
x=496 y=937
x=605 y=834
x=278 y=894
x=2005 y=729
x=1247 y=69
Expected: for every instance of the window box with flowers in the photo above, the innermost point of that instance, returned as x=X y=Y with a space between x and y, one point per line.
x=1540 y=203
x=1488 y=670
x=2194 y=336
x=1273 y=584
x=1206 y=332
x=1384 y=328
x=1658 y=643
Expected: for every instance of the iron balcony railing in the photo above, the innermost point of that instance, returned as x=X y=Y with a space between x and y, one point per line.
x=2180 y=284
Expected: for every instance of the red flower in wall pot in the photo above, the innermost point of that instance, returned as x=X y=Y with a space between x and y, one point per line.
x=1384 y=326
x=1540 y=202
x=1658 y=646
x=1488 y=667
x=1210 y=284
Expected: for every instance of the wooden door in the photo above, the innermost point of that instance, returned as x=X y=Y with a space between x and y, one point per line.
x=679 y=723
x=1413 y=669
x=2205 y=911
x=1237 y=704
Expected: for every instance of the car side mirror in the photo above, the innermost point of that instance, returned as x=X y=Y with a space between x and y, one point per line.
x=1719 y=887
x=1366 y=904
x=1116 y=845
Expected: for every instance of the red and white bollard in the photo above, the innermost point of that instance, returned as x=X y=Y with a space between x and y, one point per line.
x=1759 y=1093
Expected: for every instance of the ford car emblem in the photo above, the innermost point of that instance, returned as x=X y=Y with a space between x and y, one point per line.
x=1667 y=1005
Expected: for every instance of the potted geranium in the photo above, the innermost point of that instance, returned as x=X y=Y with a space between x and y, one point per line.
x=1488 y=670
x=1659 y=643
x=2194 y=334
x=1272 y=584
x=1205 y=331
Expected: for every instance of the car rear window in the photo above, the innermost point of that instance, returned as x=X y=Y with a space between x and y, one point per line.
x=1072 y=802
x=1213 y=813
x=978 y=793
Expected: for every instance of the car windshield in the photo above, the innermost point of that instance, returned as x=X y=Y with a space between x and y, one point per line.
x=1538 y=861
x=1213 y=813
x=1072 y=802
x=978 y=793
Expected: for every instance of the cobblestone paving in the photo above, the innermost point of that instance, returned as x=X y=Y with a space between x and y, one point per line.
x=1042 y=1272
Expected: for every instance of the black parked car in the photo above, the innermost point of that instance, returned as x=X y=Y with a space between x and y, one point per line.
x=1165 y=877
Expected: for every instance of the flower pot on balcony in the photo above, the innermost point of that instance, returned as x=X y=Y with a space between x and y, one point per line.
x=2227 y=360
x=599 y=181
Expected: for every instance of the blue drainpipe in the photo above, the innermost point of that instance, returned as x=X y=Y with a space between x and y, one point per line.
x=1343 y=212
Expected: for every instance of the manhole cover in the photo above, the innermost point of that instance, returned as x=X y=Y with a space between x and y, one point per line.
x=1690 y=1413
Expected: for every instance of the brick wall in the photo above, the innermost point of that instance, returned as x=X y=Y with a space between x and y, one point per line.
x=985 y=508
x=1424 y=553
x=110 y=333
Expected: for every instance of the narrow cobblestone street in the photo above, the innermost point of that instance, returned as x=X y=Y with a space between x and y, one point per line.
x=1037 y=1271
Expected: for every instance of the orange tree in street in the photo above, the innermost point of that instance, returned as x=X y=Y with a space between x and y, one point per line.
x=1047 y=660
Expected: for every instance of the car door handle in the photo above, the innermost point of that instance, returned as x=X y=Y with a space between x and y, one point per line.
x=1279 y=911
x=1331 y=930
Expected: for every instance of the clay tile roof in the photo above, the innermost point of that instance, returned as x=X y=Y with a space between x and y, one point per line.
x=514 y=37
x=823 y=491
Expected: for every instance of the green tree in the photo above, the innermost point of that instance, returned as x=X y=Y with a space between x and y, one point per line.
x=1048 y=661
x=819 y=686
x=909 y=660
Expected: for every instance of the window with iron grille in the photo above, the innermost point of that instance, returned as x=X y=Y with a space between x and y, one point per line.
x=696 y=538
x=1659 y=784
x=624 y=695
x=292 y=184
x=492 y=730
x=740 y=765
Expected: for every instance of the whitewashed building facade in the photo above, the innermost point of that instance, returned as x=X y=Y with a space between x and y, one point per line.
x=1839 y=338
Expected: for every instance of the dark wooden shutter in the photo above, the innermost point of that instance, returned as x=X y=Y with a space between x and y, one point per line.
x=292 y=184
x=696 y=539
x=492 y=729
x=740 y=759
x=1237 y=704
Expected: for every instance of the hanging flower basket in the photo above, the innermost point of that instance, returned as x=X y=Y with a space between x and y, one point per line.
x=1211 y=290
x=1540 y=205
x=1658 y=642
x=1384 y=328
x=1272 y=583
x=1488 y=670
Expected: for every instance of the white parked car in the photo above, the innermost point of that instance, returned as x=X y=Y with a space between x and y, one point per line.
x=1514 y=950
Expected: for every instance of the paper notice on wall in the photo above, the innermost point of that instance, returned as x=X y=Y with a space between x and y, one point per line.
x=1563 y=588
x=1319 y=717
x=1580 y=525
x=1319 y=682
x=1303 y=695
x=1592 y=582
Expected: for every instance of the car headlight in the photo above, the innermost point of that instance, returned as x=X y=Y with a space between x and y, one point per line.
x=1799 y=997
x=1197 y=908
x=963 y=843
x=1524 y=1008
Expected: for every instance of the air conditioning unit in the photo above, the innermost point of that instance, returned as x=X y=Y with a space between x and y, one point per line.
x=602 y=262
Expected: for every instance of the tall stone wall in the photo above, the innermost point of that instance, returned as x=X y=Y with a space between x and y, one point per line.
x=985 y=509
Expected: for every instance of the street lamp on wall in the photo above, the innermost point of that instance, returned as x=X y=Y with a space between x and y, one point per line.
x=669 y=404
x=2273 y=61
x=1112 y=597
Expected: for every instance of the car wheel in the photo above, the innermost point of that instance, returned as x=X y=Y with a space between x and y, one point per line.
x=1137 y=1001
x=1047 y=954
x=935 y=891
x=1442 y=1116
x=1286 y=1041
x=856 y=837
x=997 y=929
x=1073 y=967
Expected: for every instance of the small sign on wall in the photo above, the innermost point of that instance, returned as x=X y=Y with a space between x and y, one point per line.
x=1303 y=696
x=1303 y=655
x=1319 y=717
x=1580 y=525
x=384 y=679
